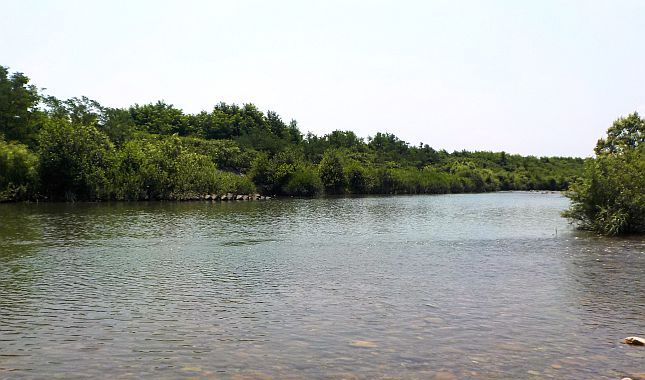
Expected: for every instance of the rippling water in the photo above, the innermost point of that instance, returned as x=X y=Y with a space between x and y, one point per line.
x=454 y=286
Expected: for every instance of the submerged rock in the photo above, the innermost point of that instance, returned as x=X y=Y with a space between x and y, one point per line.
x=444 y=375
x=635 y=341
x=363 y=344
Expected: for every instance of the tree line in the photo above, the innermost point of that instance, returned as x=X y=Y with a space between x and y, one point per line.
x=78 y=149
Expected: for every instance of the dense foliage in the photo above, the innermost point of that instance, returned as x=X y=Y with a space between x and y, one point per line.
x=610 y=198
x=76 y=149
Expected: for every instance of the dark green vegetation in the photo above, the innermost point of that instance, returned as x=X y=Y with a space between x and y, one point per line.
x=610 y=198
x=76 y=149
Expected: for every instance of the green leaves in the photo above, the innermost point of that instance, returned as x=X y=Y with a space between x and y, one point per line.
x=74 y=161
x=19 y=118
x=170 y=168
x=331 y=172
x=77 y=149
x=18 y=171
x=625 y=134
x=610 y=198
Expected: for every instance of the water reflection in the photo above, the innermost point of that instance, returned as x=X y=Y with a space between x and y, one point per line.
x=468 y=286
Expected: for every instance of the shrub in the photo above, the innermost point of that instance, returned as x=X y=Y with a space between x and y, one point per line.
x=233 y=183
x=74 y=161
x=303 y=182
x=331 y=173
x=610 y=197
x=18 y=171
x=357 y=181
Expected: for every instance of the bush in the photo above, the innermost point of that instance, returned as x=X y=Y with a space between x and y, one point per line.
x=225 y=154
x=193 y=175
x=18 y=171
x=74 y=161
x=435 y=182
x=166 y=169
x=357 y=182
x=232 y=183
x=303 y=182
x=384 y=181
x=610 y=197
x=331 y=173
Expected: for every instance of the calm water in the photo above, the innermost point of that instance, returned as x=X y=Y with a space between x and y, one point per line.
x=458 y=286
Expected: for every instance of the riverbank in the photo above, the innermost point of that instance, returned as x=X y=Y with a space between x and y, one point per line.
x=230 y=197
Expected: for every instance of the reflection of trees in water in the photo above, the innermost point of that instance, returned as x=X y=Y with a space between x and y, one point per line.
x=78 y=224
x=606 y=279
x=21 y=235
x=144 y=260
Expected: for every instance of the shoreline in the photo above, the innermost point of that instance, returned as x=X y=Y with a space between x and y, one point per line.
x=235 y=198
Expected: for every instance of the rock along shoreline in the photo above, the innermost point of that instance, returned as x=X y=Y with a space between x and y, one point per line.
x=231 y=197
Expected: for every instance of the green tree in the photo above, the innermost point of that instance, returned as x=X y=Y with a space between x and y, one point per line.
x=610 y=197
x=357 y=182
x=156 y=151
x=263 y=174
x=74 y=161
x=160 y=118
x=118 y=125
x=331 y=172
x=19 y=119
x=76 y=110
x=18 y=171
x=304 y=181
x=625 y=134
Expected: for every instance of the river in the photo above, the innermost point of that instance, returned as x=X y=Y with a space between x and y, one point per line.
x=491 y=286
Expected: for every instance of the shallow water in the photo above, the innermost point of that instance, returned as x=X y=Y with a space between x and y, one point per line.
x=452 y=286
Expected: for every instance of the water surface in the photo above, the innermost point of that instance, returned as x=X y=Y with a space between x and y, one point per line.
x=454 y=286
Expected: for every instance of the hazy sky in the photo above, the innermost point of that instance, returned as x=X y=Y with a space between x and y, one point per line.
x=532 y=77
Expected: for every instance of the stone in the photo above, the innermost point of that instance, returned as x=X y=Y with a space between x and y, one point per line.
x=207 y=197
x=224 y=197
x=444 y=375
x=635 y=341
x=240 y=197
x=363 y=344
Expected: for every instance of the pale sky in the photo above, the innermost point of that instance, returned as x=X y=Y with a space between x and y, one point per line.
x=531 y=77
